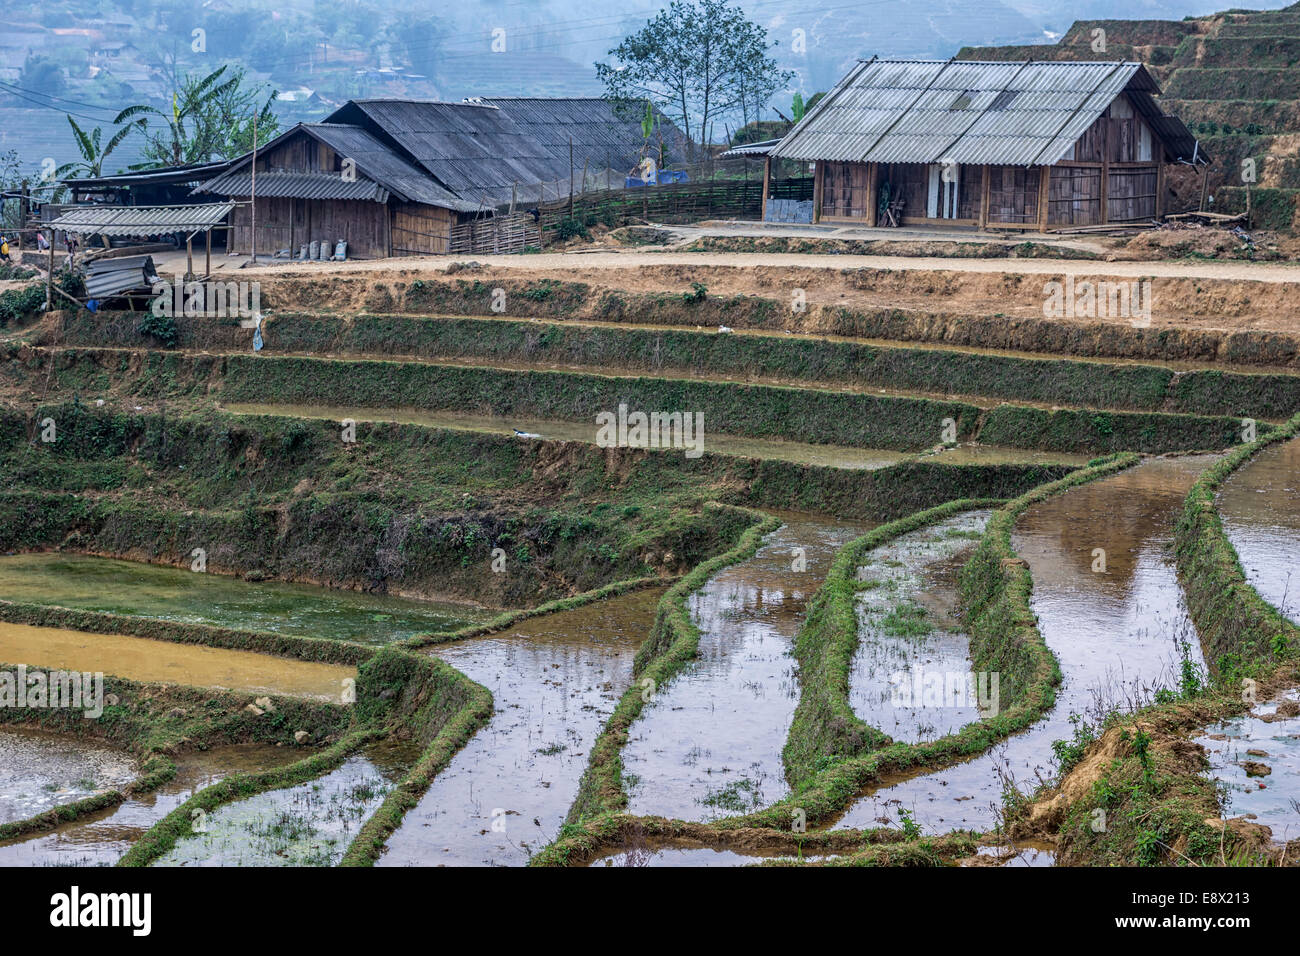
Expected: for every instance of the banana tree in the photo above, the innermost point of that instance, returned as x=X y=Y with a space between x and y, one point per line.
x=186 y=138
x=94 y=151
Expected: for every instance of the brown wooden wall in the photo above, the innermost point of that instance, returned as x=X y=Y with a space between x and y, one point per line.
x=421 y=230
x=844 y=190
x=289 y=223
x=1013 y=194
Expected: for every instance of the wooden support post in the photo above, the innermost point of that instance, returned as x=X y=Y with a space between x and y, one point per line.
x=49 y=278
x=984 y=200
x=819 y=179
x=1104 y=211
x=767 y=185
x=1044 y=178
x=1160 y=186
x=873 y=194
x=189 y=257
x=207 y=272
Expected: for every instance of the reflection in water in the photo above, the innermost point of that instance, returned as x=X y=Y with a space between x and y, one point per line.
x=1113 y=631
x=555 y=680
x=1262 y=747
x=1260 y=505
x=142 y=659
x=657 y=854
x=150 y=590
x=100 y=839
x=909 y=645
x=40 y=770
x=709 y=744
x=310 y=824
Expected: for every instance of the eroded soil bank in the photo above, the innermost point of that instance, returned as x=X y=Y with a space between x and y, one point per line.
x=167 y=593
x=1260 y=506
x=1115 y=632
x=147 y=661
x=554 y=679
x=709 y=744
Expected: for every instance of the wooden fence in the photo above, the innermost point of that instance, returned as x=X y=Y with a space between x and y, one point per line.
x=497 y=234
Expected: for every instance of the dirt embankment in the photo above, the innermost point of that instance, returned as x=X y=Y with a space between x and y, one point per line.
x=1181 y=299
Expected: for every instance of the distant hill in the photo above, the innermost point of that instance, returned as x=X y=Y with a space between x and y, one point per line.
x=1232 y=77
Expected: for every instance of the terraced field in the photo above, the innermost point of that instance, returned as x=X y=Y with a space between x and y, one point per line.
x=414 y=586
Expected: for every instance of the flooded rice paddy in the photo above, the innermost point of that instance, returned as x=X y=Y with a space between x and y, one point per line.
x=90 y=583
x=657 y=854
x=310 y=824
x=1260 y=505
x=555 y=679
x=1256 y=760
x=146 y=660
x=43 y=770
x=1115 y=630
x=911 y=676
x=709 y=744
x=101 y=838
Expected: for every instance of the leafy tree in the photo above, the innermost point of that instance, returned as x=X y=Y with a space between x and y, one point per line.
x=698 y=61
x=93 y=150
x=211 y=116
x=41 y=74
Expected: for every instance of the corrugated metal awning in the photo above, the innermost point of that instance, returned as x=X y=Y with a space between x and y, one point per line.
x=141 y=220
x=297 y=185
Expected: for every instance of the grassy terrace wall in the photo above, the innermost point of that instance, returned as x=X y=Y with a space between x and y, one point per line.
x=828 y=361
x=1240 y=631
x=406 y=507
x=995 y=591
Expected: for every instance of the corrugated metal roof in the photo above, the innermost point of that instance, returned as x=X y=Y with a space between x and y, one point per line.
x=604 y=133
x=972 y=112
x=380 y=171
x=760 y=148
x=109 y=277
x=141 y=220
x=164 y=175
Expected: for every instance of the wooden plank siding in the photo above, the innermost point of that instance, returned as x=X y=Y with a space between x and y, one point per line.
x=289 y=223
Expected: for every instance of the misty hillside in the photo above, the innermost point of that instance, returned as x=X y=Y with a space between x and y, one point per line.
x=90 y=58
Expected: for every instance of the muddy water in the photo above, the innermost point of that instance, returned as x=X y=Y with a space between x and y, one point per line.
x=911 y=675
x=40 y=770
x=1260 y=505
x=101 y=838
x=1114 y=634
x=150 y=590
x=307 y=825
x=555 y=680
x=709 y=744
x=142 y=659
x=836 y=456
x=1257 y=759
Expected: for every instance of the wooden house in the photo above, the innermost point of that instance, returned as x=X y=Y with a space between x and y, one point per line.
x=1029 y=145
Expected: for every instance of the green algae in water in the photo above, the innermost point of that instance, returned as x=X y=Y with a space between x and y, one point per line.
x=88 y=583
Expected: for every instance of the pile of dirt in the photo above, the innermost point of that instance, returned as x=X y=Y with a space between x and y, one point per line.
x=1208 y=242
